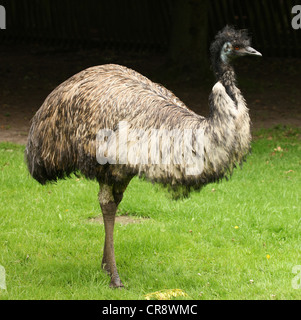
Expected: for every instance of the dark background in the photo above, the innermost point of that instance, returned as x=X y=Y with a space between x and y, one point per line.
x=46 y=41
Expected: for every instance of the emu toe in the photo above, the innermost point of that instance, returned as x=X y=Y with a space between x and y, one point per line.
x=116 y=282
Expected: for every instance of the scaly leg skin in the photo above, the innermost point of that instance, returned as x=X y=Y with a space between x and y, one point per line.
x=109 y=207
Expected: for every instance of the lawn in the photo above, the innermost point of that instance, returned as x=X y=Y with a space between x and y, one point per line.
x=237 y=239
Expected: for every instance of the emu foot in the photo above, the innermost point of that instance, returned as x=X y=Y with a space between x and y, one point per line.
x=116 y=282
x=115 y=279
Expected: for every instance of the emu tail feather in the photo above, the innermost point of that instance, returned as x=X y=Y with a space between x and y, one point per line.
x=40 y=169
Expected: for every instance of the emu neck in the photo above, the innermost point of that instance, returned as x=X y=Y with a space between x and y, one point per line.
x=226 y=75
x=228 y=125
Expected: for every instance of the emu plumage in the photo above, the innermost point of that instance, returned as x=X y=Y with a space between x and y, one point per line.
x=63 y=134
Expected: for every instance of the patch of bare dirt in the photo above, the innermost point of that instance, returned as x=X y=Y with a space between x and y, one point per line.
x=124 y=220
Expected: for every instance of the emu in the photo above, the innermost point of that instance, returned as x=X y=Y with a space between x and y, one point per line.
x=63 y=134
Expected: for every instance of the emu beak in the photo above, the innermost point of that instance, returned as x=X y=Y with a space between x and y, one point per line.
x=252 y=51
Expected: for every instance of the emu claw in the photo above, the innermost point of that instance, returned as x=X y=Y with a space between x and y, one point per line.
x=116 y=283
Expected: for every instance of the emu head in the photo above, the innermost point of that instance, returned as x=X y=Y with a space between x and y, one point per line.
x=228 y=44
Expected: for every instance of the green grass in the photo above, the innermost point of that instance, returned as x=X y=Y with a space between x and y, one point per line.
x=238 y=239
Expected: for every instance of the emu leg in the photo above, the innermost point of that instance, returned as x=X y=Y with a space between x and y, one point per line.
x=109 y=207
